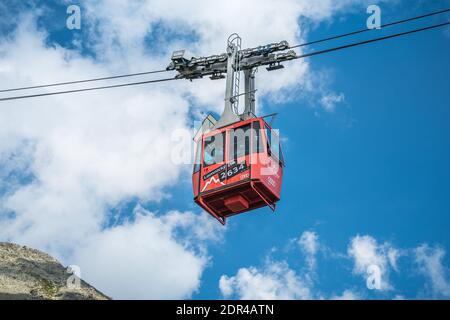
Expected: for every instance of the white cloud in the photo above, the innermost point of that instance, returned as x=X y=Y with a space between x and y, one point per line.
x=366 y=252
x=347 y=295
x=146 y=259
x=258 y=23
x=85 y=154
x=226 y=285
x=430 y=264
x=274 y=281
x=309 y=244
x=393 y=255
x=277 y=280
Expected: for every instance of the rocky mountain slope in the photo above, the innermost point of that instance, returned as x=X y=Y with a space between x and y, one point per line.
x=27 y=273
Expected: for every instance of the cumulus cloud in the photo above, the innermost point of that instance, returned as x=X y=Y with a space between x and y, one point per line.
x=274 y=281
x=309 y=242
x=424 y=259
x=277 y=280
x=258 y=23
x=77 y=157
x=430 y=264
x=142 y=259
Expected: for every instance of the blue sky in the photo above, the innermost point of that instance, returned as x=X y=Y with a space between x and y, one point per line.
x=376 y=166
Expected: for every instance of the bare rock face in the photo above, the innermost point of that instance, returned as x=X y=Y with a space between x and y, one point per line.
x=30 y=274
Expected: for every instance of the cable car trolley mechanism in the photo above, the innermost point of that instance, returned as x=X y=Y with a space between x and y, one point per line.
x=238 y=164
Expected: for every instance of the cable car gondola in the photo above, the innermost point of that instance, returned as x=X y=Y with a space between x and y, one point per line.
x=238 y=168
x=238 y=164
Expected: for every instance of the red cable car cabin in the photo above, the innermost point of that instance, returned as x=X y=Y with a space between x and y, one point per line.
x=238 y=168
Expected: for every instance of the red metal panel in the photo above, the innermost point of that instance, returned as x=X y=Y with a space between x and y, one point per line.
x=195 y=183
